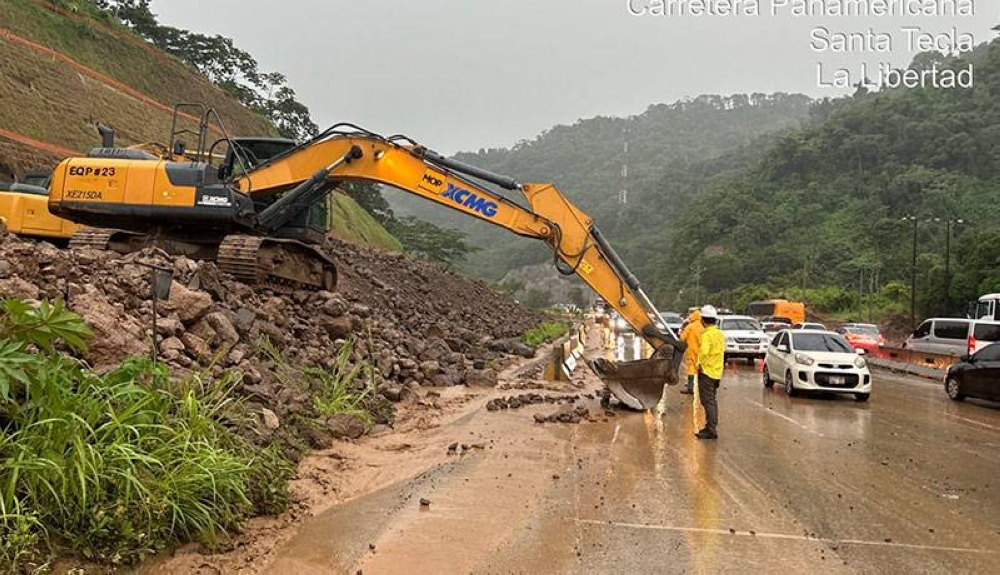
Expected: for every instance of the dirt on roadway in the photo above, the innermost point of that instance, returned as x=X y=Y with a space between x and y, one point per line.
x=907 y=483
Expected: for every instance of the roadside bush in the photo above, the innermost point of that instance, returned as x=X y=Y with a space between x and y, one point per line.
x=115 y=466
x=347 y=387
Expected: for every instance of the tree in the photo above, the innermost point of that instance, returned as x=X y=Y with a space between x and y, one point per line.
x=428 y=241
x=223 y=63
x=369 y=196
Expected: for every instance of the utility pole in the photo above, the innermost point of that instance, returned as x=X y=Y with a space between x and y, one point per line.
x=861 y=296
x=951 y=223
x=697 y=270
x=913 y=275
x=623 y=194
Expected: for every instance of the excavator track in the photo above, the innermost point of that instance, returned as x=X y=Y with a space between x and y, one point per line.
x=93 y=238
x=278 y=263
x=238 y=257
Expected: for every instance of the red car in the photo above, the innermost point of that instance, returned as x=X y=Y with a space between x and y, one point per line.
x=862 y=336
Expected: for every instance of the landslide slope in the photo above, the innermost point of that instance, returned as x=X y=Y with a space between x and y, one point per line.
x=61 y=71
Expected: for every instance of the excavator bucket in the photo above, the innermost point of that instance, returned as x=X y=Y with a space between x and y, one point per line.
x=637 y=384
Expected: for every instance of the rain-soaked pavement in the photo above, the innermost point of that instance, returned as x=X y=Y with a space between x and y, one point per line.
x=907 y=483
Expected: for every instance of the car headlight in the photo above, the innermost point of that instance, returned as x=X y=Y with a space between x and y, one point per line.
x=804 y=359
x=860 y=363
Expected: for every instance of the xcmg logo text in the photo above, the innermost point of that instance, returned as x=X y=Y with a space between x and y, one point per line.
x=466 y=198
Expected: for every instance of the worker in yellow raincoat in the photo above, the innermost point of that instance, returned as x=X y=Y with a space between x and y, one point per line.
x=691 y=335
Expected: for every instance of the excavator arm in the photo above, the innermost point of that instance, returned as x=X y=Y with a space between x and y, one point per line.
x=348 y=153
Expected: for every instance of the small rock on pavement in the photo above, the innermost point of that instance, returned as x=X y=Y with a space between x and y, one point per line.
x=424 y=502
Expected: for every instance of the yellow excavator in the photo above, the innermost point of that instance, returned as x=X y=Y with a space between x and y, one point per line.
x=24 y=209
x=255 y=214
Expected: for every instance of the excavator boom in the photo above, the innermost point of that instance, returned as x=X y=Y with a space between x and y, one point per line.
x=345 y=152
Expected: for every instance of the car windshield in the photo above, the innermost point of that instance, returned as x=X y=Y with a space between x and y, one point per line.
x=670 y=316
x=735 y=324
x=862 y=330
x=820 y=342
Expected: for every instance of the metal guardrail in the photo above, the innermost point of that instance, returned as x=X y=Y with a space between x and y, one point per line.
x=926 y=359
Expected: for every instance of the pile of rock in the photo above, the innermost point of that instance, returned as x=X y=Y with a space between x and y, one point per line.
x=416 y=323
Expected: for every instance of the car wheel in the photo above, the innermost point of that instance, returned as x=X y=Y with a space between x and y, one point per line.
x=768 y=382
x=790 y=384
x=862 y=397
x=954 y=389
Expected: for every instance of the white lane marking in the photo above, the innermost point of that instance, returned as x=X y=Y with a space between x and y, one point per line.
x=973 y=422
x=788 y=536
x=782 y=416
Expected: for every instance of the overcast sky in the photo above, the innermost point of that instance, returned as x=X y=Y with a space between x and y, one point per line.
x=464 y=74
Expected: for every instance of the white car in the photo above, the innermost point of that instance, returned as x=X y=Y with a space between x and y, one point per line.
x=744 y=337
x=805 y=360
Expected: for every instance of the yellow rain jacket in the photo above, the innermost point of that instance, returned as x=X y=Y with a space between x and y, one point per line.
x=691 y=335
x=712 y=352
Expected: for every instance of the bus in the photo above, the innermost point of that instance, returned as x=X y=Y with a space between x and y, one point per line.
x=793 y=311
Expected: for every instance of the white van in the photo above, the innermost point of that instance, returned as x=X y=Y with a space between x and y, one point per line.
x=953 y=336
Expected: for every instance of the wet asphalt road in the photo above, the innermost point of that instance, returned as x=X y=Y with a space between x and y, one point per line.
x=908 y=483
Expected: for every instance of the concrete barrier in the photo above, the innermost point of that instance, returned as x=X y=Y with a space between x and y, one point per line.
x=939 y=361
x=567 y=356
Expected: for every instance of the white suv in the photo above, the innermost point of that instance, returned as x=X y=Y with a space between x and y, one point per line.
x=744 y=337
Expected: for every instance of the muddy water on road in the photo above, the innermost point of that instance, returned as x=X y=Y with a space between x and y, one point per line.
x=907 y=483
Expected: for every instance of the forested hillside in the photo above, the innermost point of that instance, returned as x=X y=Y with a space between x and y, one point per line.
x=585 y=160
x=824 y=207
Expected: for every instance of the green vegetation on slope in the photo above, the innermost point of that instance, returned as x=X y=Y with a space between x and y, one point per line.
x=585 y=161
x=823 y=208
x=350 y=222
x=118 y=466
x=92 y=44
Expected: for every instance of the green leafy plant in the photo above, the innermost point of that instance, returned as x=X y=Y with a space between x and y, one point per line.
x=339 y=389
x=121 y=465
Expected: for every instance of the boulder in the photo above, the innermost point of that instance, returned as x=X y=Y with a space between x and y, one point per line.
x=18 y=288
x=189 y=305
x=223 y=327
x=171 y=344
x=481 y=377
x=195 y=346
x=430 y=368
x=337 y=327
x=345 y=426
x=169 y=326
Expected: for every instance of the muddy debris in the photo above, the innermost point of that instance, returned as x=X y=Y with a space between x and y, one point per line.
x=399 y=312
x=573 y=415
x=526 y=399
